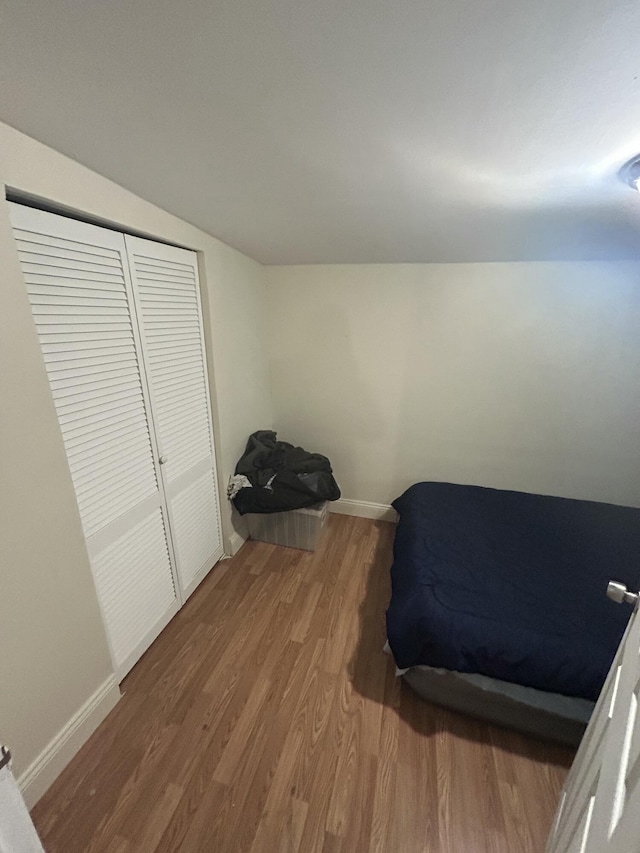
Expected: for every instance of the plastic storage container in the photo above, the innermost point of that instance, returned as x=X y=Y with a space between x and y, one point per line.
x=299 y=528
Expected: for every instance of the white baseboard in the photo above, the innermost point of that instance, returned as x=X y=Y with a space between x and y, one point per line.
x=235 y=543
x=60 y=750
x=364 y=509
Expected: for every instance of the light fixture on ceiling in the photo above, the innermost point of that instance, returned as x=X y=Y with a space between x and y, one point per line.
x=630 y=173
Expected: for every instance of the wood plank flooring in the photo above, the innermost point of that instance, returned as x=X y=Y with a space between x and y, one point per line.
x=266 y=718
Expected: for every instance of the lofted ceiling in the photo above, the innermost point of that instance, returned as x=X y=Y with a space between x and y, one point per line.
x=325 y=131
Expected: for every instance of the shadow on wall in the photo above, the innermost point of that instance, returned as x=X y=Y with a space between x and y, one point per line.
x=327 y=405
x=462 y=412
x=372 y=674
x=519 y=378
x=239 y=526
x=522 y=228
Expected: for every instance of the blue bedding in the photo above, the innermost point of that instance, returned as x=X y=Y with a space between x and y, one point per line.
x=511 y=585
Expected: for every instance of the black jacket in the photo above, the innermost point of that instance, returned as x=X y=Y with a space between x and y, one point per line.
x=283 y=477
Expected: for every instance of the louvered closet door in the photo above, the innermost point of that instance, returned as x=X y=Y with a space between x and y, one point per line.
x=80 y=291
x=167 y=296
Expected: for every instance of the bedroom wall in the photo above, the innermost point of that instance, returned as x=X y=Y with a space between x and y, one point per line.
x=54 y=654
x=511 y=375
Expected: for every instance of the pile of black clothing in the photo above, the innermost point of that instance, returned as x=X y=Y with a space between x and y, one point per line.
x=281 y=477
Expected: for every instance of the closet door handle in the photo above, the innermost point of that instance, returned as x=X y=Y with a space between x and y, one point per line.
x=619 y=593
x=162 y=459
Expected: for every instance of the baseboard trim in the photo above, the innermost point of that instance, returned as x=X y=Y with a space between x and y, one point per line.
x=364 y=509
x=42 y=772
x=235 y=543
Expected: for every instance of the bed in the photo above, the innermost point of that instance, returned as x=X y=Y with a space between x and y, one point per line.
x=499 y=601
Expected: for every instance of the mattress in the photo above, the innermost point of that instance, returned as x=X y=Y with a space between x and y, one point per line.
x=510 y=585
x=551 y=716
x=536 y=712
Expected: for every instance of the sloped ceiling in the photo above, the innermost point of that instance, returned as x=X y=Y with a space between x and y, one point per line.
x=324 y=131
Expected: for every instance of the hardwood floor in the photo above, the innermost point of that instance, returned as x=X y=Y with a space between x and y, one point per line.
x=266 y=718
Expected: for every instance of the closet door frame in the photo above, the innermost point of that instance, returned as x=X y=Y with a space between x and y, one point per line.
x=172 y=252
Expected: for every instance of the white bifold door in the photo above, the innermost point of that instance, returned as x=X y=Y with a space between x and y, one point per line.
x=599 y=811
x=120 y=326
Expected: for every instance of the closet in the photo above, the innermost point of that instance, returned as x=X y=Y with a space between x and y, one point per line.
x=120 y=327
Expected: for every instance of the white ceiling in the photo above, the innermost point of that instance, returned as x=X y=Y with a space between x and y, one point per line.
x=308 y=131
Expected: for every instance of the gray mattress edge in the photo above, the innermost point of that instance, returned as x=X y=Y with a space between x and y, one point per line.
x=546 y=715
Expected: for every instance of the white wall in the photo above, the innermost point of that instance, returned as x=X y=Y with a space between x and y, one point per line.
x=512 y=375
x=53 y=648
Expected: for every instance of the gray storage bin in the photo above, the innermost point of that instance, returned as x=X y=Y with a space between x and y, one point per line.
x=299 y=528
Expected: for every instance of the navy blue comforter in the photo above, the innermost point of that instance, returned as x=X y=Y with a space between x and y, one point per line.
x=511 y=585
